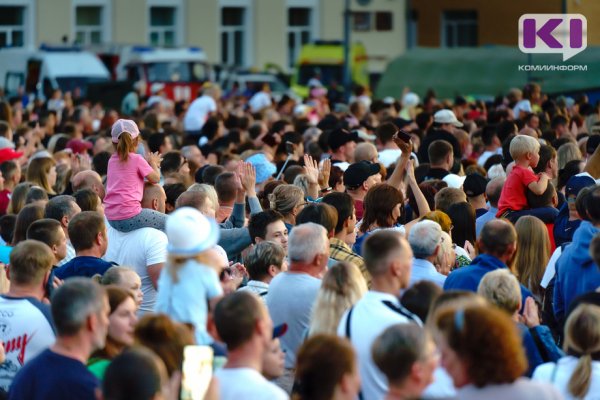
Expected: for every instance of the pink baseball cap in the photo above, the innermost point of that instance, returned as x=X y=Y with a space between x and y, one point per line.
x=124 y=125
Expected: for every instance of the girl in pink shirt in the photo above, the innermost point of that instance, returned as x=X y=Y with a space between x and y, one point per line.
x=125 y=181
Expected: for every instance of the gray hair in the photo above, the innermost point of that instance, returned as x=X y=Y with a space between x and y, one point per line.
x=60 y=206
x=73 y=302
x=306 y=241
x=261 y=257
x=209 y=190
x=301 y=181
x=424 y=238
x=113 y=275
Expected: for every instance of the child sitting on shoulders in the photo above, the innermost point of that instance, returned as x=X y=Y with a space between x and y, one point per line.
x=125 y=181
x=525 y=151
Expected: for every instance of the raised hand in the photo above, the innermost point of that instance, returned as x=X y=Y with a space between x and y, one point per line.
x=312 y=169
x=247 y=175
x=324 y=173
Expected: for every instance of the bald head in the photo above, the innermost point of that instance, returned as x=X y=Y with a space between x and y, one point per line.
x=365 y=151
x=88 y=180
x=154 y=197
x=494 y=189
x=498 y=238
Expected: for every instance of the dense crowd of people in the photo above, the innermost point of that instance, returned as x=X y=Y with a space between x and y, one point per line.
x=238 y=247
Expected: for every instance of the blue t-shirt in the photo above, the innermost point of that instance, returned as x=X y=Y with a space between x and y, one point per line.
x=5 y=254
x=84 y=266
x=187 y=299
x=54 y=376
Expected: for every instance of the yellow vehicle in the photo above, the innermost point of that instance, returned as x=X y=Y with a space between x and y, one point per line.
x=324 y=62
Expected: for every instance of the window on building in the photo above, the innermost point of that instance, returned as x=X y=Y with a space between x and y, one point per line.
x=299 y=31
x=163 y=26
x=233 y=35
x=361 y=21
x=12 y=26
x=88 y=25
x=383 y=21
x=459 y=29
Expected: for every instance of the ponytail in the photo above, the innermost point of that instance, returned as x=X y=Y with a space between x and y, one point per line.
x=125 y=146
x=581 y=379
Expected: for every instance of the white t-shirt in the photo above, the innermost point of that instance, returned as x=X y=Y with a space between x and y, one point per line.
x=138 y=249
x=551 y=268
x=370 y=317
x=487 y=154
x=523 y=105
x=187 y=300
x=259 y=101
x=25 y=330
x=246 y=383
x=198 y=112
x=562 y=371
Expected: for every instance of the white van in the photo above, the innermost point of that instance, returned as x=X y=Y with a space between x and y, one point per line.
x=40 y=72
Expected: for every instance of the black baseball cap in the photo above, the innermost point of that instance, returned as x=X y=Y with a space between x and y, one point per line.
x=339 y=137
x=474 y=185
x=359 y=172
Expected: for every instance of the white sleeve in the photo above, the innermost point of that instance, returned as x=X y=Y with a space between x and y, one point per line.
x=156 y=247
x=551 y=268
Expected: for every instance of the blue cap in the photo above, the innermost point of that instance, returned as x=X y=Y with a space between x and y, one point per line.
x=578 y=182
x=264 y=168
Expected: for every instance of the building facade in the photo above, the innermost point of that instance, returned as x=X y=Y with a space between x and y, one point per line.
x=247 y=33
x=470 y=23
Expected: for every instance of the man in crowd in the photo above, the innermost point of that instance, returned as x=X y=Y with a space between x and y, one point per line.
x=49 y=231
x=80 y=312
x=492 y=191
x=342 y=144
x=144 y=250
x=292 y=294
x=244 y=325
x=63 y=208
x=441 y=159
x=27 y=326
x=88 y=232
x=268 y=225
x=388 y=258
x=474 y=187
x=264 y=261
x=340 y=245
x=425 y=240
x=358 y=179
x=88 y=179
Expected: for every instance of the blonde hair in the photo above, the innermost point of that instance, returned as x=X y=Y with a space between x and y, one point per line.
x=342 y=286
x=285 y=198
x=533 y=253
x=126 y=145
x=19 y=195
x=209 y=190
x=582 y=339
x=38 y=170
x=568 y=152
x=521 y=145
x=501 y=288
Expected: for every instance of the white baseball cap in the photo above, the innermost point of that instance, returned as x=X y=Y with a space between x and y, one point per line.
x=124 y=125
x=446 y=117
x=454 y=181
x=189 y=232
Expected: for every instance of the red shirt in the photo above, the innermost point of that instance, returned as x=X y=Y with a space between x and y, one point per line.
x=4 y=200
x=513 y=193
x=358 y=209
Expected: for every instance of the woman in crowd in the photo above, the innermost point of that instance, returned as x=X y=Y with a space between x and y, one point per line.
x=289 y=201
x=342 y=286
x=481 y=350
x=125 y=278
x=122 y=320
x=27 y=216
x=446 y=257
x=17 y=199
x=533 y=254
x=166 y=338
x=42 y=172
x=383 y=207
x=462 y=216
x=326 y=369
x=577 y=376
